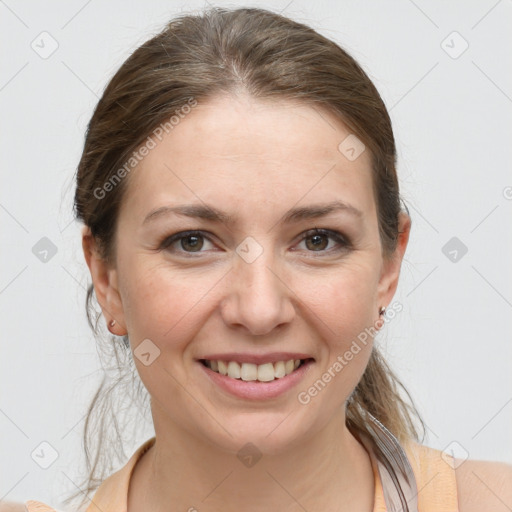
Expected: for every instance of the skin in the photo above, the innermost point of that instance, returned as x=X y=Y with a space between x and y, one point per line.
x=255 y=160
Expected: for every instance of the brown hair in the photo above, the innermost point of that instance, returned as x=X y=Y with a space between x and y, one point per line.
x=199 y=56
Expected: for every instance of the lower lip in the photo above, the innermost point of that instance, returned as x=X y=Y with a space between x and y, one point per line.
x=256 y=390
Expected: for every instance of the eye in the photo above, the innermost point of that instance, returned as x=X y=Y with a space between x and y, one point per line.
x=318 y=240
x=186 y=241
x=315 y=240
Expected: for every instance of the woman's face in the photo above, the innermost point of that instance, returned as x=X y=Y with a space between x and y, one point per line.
x=258 y=285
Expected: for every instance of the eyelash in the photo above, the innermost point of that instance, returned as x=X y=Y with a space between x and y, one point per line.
x=345 y=243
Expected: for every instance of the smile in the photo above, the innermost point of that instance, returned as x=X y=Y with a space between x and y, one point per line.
x=266 y=372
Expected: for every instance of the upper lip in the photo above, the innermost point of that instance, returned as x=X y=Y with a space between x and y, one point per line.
x=271 y=357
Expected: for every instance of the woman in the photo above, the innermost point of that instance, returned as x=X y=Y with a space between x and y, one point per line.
x=243 y=230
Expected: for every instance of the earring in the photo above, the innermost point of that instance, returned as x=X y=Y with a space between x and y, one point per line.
x=123 y=337
x=382 y=310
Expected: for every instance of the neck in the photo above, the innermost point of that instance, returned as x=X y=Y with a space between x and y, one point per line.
x=329 y=471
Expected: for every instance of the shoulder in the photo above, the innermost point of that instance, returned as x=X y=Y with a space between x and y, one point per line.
x=468 y=485
x=28 y=506
x=484 y=485
x=11 y=506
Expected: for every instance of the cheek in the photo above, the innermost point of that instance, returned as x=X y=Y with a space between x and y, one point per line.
x=343 y=309
x=163 y=304
x=344 y=301
x=169 y=309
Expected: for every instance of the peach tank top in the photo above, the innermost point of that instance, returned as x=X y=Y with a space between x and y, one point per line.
x=434 y=486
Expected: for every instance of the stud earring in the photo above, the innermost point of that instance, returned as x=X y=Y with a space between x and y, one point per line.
x=382 y=310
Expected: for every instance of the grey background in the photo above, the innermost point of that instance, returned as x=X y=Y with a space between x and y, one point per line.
x=451 y=116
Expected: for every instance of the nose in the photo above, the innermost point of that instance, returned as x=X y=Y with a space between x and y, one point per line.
x=258 y=299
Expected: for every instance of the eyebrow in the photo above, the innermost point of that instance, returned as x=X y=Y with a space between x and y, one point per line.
x=215 y=215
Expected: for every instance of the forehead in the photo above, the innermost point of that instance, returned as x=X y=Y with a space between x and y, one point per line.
x=254 y=155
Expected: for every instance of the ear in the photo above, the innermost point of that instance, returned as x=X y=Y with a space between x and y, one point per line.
x=104 y=279
x=388 y=280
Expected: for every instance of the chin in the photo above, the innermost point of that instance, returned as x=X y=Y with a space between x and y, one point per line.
x=266 y=432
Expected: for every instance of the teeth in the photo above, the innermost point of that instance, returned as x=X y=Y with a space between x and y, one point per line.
x=279 y=369
x=266 y=372
x=248 y=371
x=223 y=367
x=233 y=370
